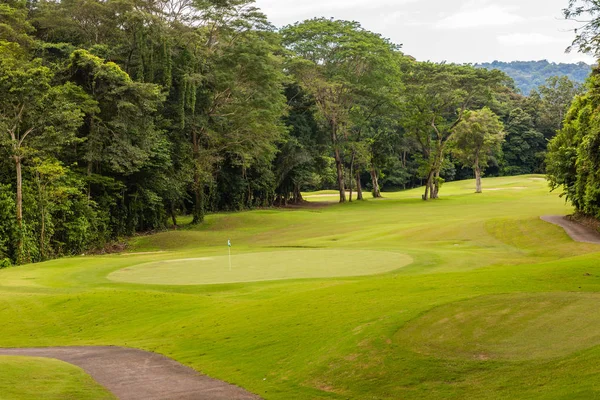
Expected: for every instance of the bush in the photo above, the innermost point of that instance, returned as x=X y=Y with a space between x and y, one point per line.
x=8 y=228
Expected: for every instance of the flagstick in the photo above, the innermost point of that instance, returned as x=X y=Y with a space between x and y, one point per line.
x=229 y=248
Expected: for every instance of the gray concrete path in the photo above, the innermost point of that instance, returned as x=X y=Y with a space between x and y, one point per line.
x=132 y=374
x=577 y=232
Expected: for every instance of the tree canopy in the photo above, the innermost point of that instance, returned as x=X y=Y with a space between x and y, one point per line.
x=478 y=138
x=119 y=117
x=573 y=161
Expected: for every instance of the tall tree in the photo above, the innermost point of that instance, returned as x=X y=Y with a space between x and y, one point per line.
x=556 y=96
x=337 y=62
x=37 y=117
x=478 y=137
x=573 y=158
x=14 y=26
x=297 y=162
x=437 y=97
x=228 y=87
x=525 y=147
x=122 y=140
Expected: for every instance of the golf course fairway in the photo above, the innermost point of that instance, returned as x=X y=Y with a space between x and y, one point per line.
x=472 y=296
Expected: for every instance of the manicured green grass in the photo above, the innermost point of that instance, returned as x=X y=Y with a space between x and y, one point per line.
x=266 y=266
x=331 y=196
x=522 y=326
x=497 y=304
x=48 y=379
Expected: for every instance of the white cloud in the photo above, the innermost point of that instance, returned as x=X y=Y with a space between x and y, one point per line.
x=396 y=18
x=475 y=14
x=300 y=9
x=493 y=29
x=528 y=39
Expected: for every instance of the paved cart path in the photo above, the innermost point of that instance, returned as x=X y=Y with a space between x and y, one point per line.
x=577 y=231
x=132 y=374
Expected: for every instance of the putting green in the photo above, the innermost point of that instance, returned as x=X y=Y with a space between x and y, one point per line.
x=517 y=327
x=253 y=267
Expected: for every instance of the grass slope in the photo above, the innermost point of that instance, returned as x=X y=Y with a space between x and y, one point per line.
x=42 y=378
x=496 y=305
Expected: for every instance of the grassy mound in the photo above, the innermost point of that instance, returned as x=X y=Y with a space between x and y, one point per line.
x=264 y=266
x=516 y=327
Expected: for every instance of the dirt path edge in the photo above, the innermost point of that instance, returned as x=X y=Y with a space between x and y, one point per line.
x=578 y=232
x=132 y=374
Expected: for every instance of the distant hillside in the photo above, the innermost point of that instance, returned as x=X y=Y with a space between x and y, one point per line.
x=528 y=75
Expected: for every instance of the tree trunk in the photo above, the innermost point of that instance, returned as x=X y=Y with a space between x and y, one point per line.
x=437 y=166
x=19 y=205
x=478 y=179
x=297 y=195
x=198 y=203
x=19 y=191
x=250 y=197
x=428 y=186
x=42 y=233
x=435 y=194
x=173 y=214
x=359 y=193
x=89 y=187
x=351 y=176
x=375 y=182
x=198 y=187
x=339 y=163
x=340 y=175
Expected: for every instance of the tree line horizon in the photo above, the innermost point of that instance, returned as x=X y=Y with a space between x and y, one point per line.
x=118 y=116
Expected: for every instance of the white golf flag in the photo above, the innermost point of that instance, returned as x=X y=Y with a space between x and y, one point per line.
x=229 y=251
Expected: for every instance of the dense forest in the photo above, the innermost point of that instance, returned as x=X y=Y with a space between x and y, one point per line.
x=118 y=116
x=573 y=160
x=530 y=75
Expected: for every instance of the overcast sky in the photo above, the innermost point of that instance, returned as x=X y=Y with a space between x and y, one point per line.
x=463 y=31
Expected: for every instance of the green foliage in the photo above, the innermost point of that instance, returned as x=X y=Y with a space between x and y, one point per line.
x=573 y=161
x=170 y=106
x=478 y=137
x=120 y=114
x=525 y=148
x=14 y=26
x=121 y=137
x=297 y=161
x=437 y=99
x=556 y=95
x=8 y=226
x=39 y=118
x=350 y=73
